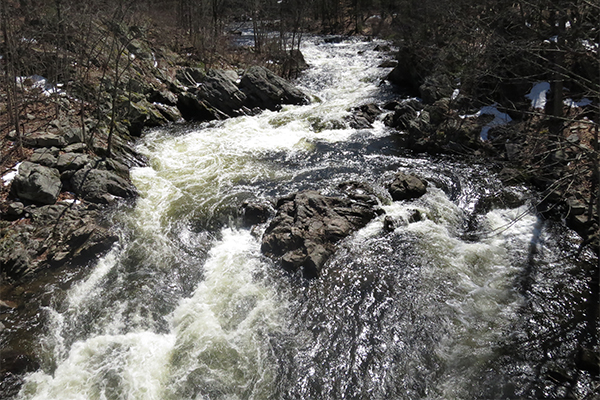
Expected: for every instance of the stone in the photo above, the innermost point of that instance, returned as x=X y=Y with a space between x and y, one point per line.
x=364 y=116
x=44 y=156
x=220 y=91
x=163 y=97
x=255 y=213
x=194 y=109
x=407 y=187
x=37 y=183
x=171 y=113
x=141 y=115
x=575 y=206
x=76 y=148
x=72 y=161
x=304 y=232
x=101 y=186
x=72 y=135
x=190 y=76
x=44 y=139
x=15 y=209
x=266 y=90
x=434 y=88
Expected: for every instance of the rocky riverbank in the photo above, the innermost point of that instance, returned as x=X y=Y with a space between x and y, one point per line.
x=64 y=177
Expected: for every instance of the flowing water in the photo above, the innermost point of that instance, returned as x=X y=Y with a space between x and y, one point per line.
x=470 y=301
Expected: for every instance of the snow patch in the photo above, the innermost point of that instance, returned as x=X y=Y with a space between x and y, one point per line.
x=499 y=120
x=39 y=82
x=538 y=95
x=455 y=94
x=590 y=46
x=9 y=177
x=581 y=103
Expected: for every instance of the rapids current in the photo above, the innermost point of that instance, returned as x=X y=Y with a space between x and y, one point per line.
x=468 y=302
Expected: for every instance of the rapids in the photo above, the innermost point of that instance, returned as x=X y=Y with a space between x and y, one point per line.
x=468 y=302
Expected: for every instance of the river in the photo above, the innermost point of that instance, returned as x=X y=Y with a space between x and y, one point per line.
x=468 y=302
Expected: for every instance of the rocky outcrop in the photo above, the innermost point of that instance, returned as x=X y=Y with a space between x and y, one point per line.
x=266 y=90
x=407 y=187
x=56 y=234
x=307 y=226
x=37 y=183
x=220 y=94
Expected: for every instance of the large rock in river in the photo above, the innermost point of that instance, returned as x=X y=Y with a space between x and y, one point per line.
x=307 y=226
x=406 y=187
x=264 y=89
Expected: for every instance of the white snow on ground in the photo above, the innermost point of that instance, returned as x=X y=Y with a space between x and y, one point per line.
x=538 y=95
x=8 y=178
x=581 y=103
x=455 y=94
x=590 y=46
x=499 y=120
x=39 y=82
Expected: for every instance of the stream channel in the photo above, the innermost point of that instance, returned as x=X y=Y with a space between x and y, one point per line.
x=468 y=302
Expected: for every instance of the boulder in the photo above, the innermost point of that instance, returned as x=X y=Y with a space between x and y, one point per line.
x=363 y=116
x=44 y=139
x=255 y=213
x=141 y=115
x=72 y=161
x=406 y=187
x=190 y=76
x=163 y=97
x=72 y=135
x=101 y=186
x=44 y=156
x=264 y=89
x=194 y=109
x=171 y=113
x=307 y=226
x=37 y=183
x=219 y=89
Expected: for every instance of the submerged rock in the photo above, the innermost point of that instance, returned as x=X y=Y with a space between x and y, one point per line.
x=304 y=233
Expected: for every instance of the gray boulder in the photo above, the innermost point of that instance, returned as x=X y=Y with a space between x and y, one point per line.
x=406 y=187
x=219 y=89
x=264 y=89
x=37 y=183
x=44 y=139
x=72 y=161
x=45 y=156
x=171 y=113
x=101 y=186
x=307 y=226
